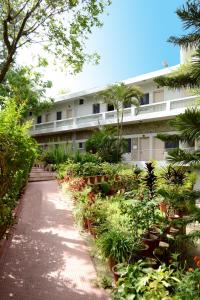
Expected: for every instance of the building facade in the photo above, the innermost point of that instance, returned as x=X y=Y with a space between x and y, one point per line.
x=73 y=118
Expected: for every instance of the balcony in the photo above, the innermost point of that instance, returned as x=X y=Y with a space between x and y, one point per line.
x=154 y=111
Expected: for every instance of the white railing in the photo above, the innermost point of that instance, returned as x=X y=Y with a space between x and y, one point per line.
x=151 y=108
x=154 y=110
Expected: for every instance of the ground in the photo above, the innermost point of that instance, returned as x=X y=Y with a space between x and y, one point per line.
x=47 y=258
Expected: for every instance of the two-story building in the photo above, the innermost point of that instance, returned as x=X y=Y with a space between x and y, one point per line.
x=73 y=118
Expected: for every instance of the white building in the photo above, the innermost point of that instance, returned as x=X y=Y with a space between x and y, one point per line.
x=74 y=116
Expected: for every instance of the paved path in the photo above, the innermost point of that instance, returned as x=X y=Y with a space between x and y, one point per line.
x=39 y=174
x=47 y=259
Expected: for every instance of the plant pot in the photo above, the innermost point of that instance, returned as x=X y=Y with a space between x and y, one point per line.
x=89 y=224
x=164 y=207
x=115 y=273
x=151 y=262
x=85 y=224
x=151 y=240
x=86 y=179
x=173 y=231
x=143 y=251
x=111 y=263
x=92 y=179
x=98 y=178
x=106 y=178
x=156 y=231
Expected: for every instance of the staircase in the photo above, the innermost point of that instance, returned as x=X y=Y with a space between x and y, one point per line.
x=39 y=174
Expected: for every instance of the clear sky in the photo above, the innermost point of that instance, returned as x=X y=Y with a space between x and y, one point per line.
x=132 y=41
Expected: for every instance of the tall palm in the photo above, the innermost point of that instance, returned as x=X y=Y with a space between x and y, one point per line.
x=120 y=95
x=189 y=76
x=188 y=123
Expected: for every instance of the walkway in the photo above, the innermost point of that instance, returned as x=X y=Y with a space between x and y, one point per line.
x=47 y=259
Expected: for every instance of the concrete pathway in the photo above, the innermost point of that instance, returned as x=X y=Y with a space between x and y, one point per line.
x=39 y=174
x=47 y=259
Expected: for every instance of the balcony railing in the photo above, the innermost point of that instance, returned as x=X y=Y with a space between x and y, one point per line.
x=149 y=111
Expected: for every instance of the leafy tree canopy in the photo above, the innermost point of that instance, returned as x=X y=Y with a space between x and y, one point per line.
x=61 y=26
x=27 y=88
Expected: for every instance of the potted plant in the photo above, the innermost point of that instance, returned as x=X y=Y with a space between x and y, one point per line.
x=115 y=246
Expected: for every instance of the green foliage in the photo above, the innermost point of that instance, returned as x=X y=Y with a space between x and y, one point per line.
x=114 y=244
x=140 y=282
x=189 y=75
x=120 y=95
x=105 y=143
x=55 y=156
x=62 y=27
x=27 y=88
x=189 y=289
x=189 y=14
x=17 y=153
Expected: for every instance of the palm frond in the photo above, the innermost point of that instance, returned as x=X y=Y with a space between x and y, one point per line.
x=190 y=17
x=188 y=124
x=183 y=157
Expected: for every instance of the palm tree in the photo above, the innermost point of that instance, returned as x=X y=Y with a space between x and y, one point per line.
x=120 y=96
x=188 y=123
x=189 y=75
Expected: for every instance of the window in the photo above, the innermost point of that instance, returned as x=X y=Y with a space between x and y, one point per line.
x=81 y=101
x=30 y=113
x=59 y=115
x=171 y=144
x=110 y=107
x=126 y=105
x=128 y=145
x=145 y=99
x=96 y=108
x=39 y=119
x=80 y=145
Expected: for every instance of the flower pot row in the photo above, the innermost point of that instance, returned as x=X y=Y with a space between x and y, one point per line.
x=98 y=179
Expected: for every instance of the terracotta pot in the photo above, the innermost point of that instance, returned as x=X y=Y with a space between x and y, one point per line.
x=144 y=250
x=89 y=224
x=85 y=224
x=151 y=262
x=156 y=231
x=115 y=273
x=151 y=240
x=106 y=178
x=99 y=178
x=173 y=231
x=164 y=207
x=86 y=179
x=92 y=179
x=111 y=263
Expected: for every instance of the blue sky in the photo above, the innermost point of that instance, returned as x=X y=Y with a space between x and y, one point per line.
x=132 y=41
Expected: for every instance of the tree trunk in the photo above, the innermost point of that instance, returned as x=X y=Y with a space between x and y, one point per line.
x=6 y=67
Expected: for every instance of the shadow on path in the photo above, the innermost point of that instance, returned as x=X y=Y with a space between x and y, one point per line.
x=47 y=258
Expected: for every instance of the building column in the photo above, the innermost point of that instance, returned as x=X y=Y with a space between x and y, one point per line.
x=74 y=141
x=151 y=147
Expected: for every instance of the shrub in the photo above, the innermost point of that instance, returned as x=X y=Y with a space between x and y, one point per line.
x=55 y=156
x=115 y=244
x=105 y=143
x=17 y=153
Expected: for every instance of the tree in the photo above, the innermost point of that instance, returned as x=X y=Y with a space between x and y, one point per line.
x=27 y=88
x=120 y=96
x=188 y=75
x=61 y=26
x=187 y=124
x=105 y=144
